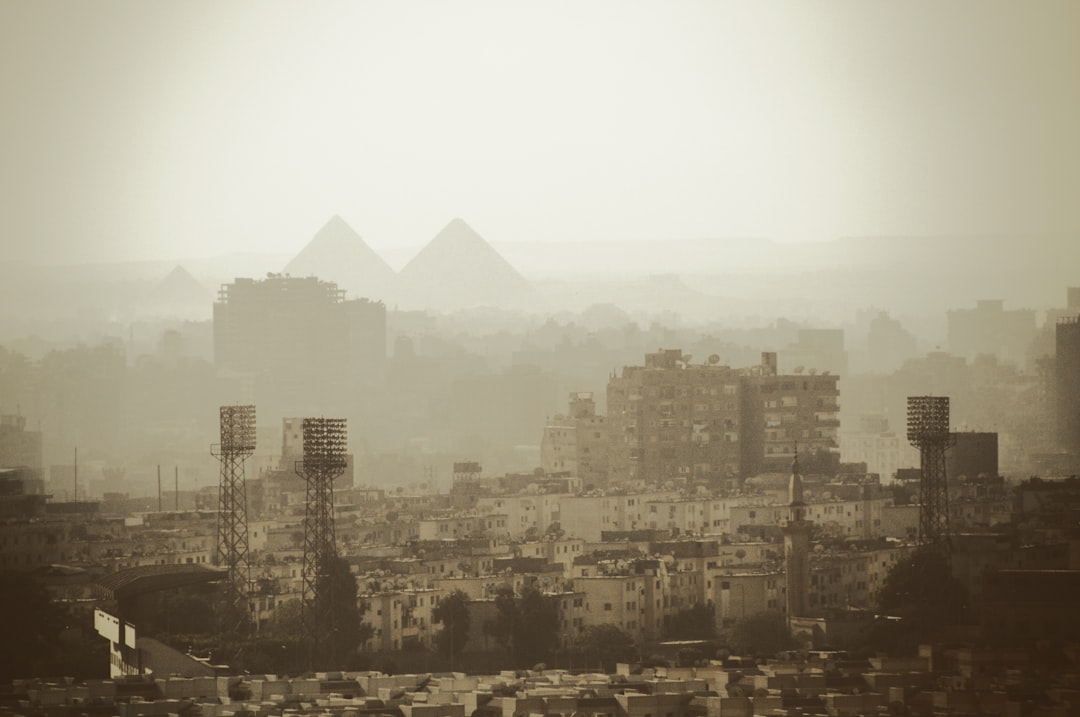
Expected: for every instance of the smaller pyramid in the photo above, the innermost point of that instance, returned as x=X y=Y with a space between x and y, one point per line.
x=337 y=253
x=179 y=294
x=458 y=269
x=179 y=286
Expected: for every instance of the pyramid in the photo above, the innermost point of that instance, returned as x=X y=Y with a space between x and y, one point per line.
x=178 y=294
x=179 y=286
x=458 y=269
x=337 y=253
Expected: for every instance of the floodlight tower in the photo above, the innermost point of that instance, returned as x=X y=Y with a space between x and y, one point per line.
x=324 y=460
x=928 y=430
x=237 y=444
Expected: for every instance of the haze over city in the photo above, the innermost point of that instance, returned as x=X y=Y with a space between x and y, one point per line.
x=169 y=131
x=478 y=359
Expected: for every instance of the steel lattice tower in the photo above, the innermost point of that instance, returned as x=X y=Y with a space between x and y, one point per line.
x=928 y=430
x=324 y=460
x=237 y=444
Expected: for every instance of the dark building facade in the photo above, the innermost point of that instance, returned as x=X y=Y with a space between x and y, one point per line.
x=991 y=329
x=672 y=418
x=785 y=414
x=19 y=448
x=972 y=454
x=1067 y=384
x=303 y=345
x=1025 y=606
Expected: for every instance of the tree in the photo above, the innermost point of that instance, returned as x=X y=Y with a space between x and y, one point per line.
x=923 y=590
x=694 y=623
x=33 y=634
x=919 y=596
x=609 y=644
x=764 y=633
x=453 y=613
x=284 y=624
x=538 y=633
x=337 y=587
x=527 y=625
x=506 y=616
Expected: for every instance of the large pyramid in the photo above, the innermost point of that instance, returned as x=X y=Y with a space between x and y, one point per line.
x=338 y=254
x=458 y=269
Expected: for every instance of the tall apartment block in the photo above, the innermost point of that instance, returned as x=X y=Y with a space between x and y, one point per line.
x=785 y=413
x=577 y=442
x=302 y=343
x=991 y=329
x=673 y=418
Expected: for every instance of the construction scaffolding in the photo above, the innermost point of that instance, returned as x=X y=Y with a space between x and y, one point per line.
x=231 y=550
x=324 y=460
x=928 y=430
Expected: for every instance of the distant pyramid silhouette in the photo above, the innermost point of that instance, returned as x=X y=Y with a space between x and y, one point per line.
x=458 y=269
x=178 y=293
x=337 y=253
x=179 y=286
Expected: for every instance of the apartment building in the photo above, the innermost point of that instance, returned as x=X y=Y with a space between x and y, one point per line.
x=674 y=418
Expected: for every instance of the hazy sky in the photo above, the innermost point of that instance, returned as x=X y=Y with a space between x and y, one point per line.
x=154 y=130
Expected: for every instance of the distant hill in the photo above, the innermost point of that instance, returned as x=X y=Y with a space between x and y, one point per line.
x=338 y=254
x=459 y=269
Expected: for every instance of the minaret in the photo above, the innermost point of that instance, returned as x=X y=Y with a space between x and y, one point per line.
x=796 y=546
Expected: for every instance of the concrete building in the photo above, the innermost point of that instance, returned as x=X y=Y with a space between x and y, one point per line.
x=626 y=599
x=888 y=344
x=882 y=450
x=672 y=418
x=818 y=349
x=990 y=329
x=577 y=442
x=385 y=615
x=304 y=346
x=27 y=546
x=780 y=412
x=1067 y=384
x=744 y=593
x=560 y=552
x=589 y=516
x=453 y=527
x=862 y=517
x=842 y=579
x=971 y=455
x=20 y=448
x=527 y=516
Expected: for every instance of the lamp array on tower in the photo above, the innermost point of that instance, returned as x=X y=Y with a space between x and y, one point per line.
x=237 y=444
x=324 y=460
x=928 y=430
